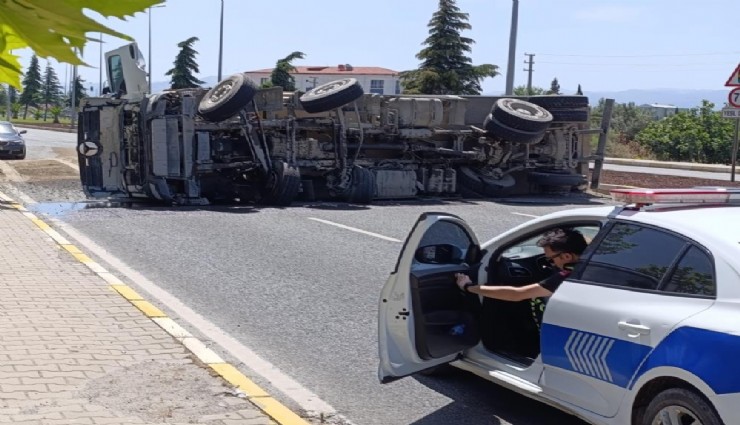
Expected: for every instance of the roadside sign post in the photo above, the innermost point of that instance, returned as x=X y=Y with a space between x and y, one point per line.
x=734 y=149
x=734 y=112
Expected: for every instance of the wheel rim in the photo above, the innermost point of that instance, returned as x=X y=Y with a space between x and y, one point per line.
x=328 y=87
x=220 y=91
x=523 y=109
x=675 y=415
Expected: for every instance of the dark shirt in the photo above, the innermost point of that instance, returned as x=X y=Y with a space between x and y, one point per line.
x=551 y=284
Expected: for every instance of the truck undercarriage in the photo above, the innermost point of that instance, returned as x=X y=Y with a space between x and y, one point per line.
x=237 y=143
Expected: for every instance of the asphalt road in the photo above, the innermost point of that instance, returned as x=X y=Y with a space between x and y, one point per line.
x=303 y=294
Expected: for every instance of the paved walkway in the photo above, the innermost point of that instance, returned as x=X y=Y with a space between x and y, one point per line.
x=77 y=346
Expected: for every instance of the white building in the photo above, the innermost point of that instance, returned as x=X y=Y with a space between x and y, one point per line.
x=373 y=79
x=660 y=111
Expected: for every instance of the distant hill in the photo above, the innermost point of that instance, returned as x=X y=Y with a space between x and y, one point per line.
x=677 y=97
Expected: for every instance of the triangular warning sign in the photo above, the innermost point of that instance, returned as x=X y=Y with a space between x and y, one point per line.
x=734 y=80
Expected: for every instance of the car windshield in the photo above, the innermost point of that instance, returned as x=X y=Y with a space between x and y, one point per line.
x=7 y=129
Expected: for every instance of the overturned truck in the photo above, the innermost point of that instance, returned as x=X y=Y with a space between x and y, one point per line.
x=237 y=143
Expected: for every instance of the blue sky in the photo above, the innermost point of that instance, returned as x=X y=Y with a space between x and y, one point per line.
x=600 y=44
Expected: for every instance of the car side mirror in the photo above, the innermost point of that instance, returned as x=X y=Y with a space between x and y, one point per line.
x=22 y=132
x=439 y=254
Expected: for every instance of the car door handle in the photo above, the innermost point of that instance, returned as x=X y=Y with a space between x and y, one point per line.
x=634 y=330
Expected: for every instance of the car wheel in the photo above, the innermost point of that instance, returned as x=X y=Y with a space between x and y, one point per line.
x=521 y=115
x=498 y=129
x=282 y=185
x=556 y=178
x=472 y=182
x=331 y=95
x=680 y=406
x=362 y=186
x=21 y=156
x=226 y=99
x=556 y=101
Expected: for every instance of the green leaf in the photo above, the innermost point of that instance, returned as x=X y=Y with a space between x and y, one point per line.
x=56 y=29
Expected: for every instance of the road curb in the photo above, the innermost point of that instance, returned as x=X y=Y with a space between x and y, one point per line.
x=691 y=166
x=252 y=392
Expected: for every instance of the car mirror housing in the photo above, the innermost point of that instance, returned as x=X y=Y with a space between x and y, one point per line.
x=439 y=254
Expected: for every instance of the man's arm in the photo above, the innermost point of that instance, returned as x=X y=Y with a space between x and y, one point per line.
x=511 y=293
x=506 y=293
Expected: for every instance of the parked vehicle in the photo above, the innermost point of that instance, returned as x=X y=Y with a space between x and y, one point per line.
x=642 y=332
x=237 y=142
x=12 y=144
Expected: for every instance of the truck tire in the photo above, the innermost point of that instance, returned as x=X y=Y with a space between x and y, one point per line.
x=226 y=99
x=282 y=185
x=496 y=128
x=472 y=182
x=569 y=115
x=521 y=115
x=331 y=95
x=556 y=178
x=362 y=186
x=557 y=101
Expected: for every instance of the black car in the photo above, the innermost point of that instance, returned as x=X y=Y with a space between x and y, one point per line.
x=12 y=144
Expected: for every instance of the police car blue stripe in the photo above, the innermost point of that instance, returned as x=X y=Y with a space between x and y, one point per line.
x=712 y=356
x=608 y=359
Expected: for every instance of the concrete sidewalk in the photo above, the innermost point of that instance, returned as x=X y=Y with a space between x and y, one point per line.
x=77 y=346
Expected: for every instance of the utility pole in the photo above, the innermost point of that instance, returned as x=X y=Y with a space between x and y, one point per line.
x=8 y=105
x=100 y=68
x=529 y=71
x=221 y=41
x=73 y=105
x=512 y=48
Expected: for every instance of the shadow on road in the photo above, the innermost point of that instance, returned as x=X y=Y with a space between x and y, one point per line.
x=477 y=401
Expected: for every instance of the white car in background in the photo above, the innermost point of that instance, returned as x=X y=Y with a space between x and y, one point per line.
x=645 y=331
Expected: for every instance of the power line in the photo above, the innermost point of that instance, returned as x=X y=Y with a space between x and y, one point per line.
x=661 y=65
x=642 y=56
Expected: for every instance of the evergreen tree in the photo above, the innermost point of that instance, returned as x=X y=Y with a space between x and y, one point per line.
x=281 y=74
x=52 y=90
x=32 y=86
x=3 y=99
x=80 y=92
x=185 y=66
x=445 y=68
x=579 y=92
x=554 y=87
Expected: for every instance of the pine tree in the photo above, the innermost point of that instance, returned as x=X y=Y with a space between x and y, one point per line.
x=554 y=87
x=185 y=66
x=52 y=90
x=579 y=92
x=32 y=86
x=80 y=92
x=445 y=68
x=281 y=74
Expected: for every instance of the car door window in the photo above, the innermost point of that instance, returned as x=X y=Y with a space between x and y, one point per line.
x=632 y=256
x=446 y=232
x=694 y=274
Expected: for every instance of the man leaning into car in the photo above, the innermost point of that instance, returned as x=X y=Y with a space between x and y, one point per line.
x=563 y=248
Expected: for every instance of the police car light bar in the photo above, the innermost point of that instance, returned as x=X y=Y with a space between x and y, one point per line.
x=708 y=195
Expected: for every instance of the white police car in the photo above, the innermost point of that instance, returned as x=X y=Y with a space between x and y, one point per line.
x=645 y=331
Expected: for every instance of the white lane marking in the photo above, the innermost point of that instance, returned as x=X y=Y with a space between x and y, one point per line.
x=10 y=173
x=67 y=163
x=525 y=215
x=258 y=366
x=354 y=229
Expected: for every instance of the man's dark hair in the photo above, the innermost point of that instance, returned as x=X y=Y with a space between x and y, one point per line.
x=564 y=240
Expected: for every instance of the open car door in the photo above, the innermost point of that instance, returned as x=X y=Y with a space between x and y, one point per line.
x=424 y=319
